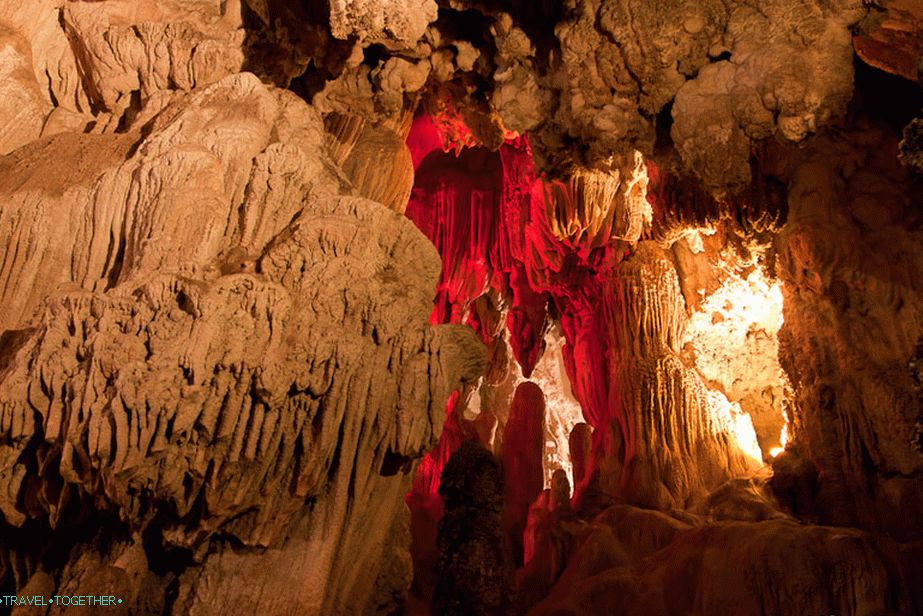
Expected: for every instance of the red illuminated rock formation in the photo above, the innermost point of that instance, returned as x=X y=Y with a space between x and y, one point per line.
x=579 y=449
x=523 y=449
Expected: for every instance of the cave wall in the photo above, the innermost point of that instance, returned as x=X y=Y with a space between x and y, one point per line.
x=207 y=340
x=849 y=260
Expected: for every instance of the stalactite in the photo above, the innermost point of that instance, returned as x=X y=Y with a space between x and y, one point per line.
x=390 y=181
x=680 y=202
x=596 y=206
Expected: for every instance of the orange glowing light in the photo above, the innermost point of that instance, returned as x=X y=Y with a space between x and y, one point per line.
x=734 y=334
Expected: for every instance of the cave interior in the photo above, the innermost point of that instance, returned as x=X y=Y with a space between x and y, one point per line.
x=461 y=307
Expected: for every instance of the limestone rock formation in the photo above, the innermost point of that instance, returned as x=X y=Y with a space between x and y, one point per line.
x=850 y=302
x=474 y=565
x=400 y=20
x=216 y=333
x=677 y=438
x=600 y=76
x=670 y=566
x=890 y=39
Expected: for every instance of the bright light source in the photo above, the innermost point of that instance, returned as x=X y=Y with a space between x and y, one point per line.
x=729 y=418
x=734 y=335
x=562 y=411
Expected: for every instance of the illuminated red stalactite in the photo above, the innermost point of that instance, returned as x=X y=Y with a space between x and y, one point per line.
x=452 y=203
x=424 y=138
x=486 y=214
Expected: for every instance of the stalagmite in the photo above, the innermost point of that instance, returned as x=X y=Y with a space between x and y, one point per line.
x=523 y=450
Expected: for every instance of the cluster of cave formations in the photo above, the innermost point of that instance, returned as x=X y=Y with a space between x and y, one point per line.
x=462 y=307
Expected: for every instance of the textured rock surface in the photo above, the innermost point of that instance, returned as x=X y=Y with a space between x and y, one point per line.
x=892 y=39
x=677 y=439
x=853 y=324
x=474 y=567
x=592 y=78
x=634 y=561
x=137 y=48
x=217 y=334
x=523 y=449
x=24 y=109
x=402 y=20
x=42 y=86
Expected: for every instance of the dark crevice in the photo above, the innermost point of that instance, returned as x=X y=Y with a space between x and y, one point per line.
x=294 y=48
x=11 y=341
x=663 y=143
x=115 y=269
x=466 y=25
x=51 y=96
x=337 y=455
x=393 y=463
x=130 y=114
x=373 y=55
x=537 y=18
x=163 y=558
x=884 y=98
x=184 y=303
